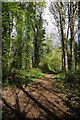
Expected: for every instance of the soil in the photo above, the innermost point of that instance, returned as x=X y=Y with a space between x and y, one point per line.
x=36 y=101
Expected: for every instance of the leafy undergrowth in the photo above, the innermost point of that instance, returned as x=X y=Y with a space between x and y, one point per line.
x=59 y=76
x=70 y=91
x=23 y=77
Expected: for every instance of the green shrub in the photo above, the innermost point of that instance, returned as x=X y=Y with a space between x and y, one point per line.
x=70 y=76
x=60 y=75
x=20 y=77
x=78 y=75
x=51 y=61
x=45 y=67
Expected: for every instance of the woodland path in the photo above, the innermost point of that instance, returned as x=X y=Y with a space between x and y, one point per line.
x=38 y=101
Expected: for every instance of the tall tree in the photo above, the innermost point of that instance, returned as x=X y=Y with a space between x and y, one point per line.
x=72 y=40
x=66 y=23
x=79 y=32
x=38 y=35
x=60 y=8
x=64 y=37
x=22 y=36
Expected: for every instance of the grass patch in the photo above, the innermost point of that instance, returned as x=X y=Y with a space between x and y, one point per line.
x=70 y=91
x=60 y=76
x=21 y=77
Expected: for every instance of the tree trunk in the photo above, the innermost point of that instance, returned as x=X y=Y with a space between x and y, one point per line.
x=72 y=41
x=79 y=34
x=64 y=39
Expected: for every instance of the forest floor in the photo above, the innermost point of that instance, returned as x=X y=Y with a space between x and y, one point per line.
x=36 y=101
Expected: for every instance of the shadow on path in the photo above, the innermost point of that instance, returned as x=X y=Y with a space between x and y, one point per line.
x=39 y=102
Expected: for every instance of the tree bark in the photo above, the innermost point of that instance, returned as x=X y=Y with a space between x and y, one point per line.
x=64 y=38
x=79 y=34
x=72 y=41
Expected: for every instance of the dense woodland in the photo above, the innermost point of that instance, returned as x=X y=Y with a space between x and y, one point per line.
x=28 y=53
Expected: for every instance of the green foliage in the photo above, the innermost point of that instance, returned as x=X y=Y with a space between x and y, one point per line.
x=70 y=76
x=51 y=61
x=44 y=67
x=77 y=73
x=22 y=38
x=21 y=77
x=60 y=76
x=70 y=91
x=32 y=74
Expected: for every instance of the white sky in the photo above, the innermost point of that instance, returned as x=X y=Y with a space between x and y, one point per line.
x=50 y=27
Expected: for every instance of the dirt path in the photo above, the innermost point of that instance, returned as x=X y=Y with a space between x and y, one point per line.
x=38 y=101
